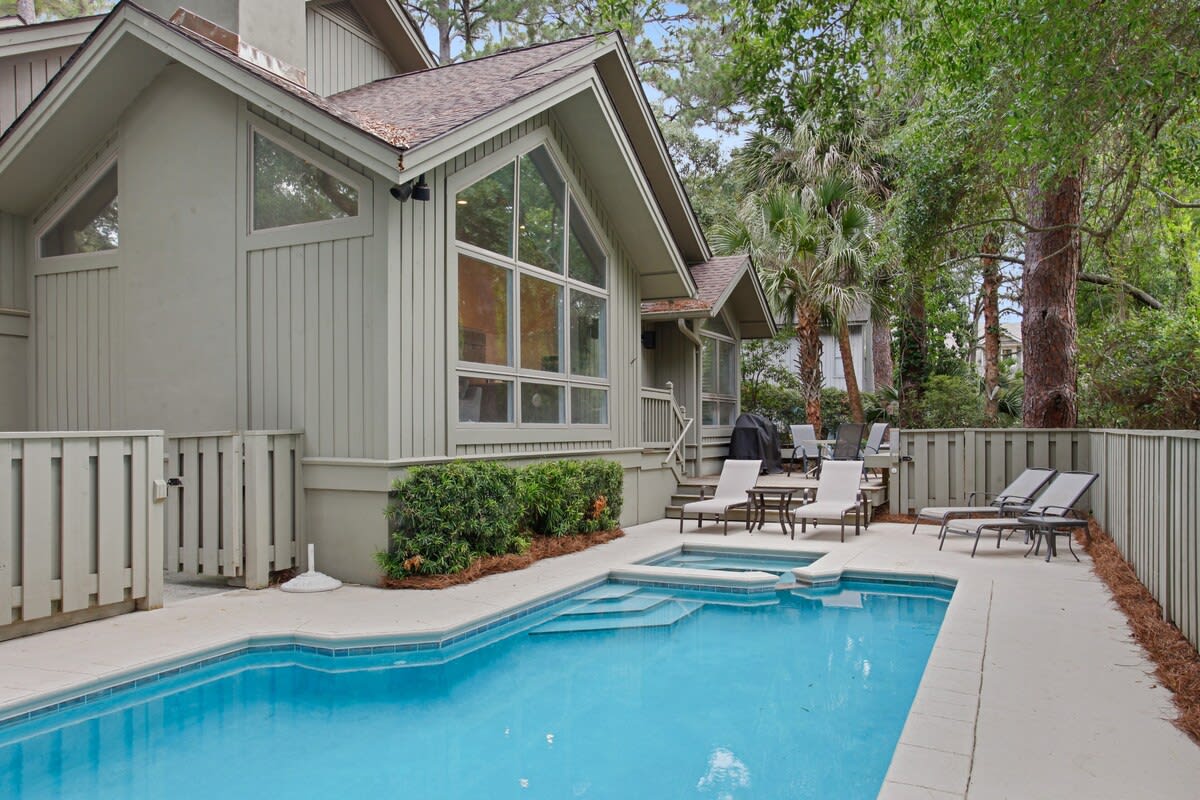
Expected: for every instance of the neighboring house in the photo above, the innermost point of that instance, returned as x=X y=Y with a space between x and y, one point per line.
x=1010 y=346
x=832 y=371
x=278 y=215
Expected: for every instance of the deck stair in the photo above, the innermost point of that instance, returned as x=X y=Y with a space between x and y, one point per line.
x=619 y=611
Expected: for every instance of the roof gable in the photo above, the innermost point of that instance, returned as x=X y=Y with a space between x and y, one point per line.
x=722 y=282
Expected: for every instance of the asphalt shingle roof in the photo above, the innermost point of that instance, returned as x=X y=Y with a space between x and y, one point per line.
x=712 y=279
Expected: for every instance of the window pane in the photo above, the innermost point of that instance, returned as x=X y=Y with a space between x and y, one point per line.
x=709 y=366
x=90 y=225
x=589 y=336
x=586 y=257
x=716 y=325
x=541 y=325
x=542 y=402
x=483 y=311
x=484 y=212
x=727 y=366
x=728 y=412
x=541 y=208
x=589 y=406
x=288 y=190
x=484 y=400
x=710 y=412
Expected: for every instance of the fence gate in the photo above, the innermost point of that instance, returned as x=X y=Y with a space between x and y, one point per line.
x=236 y=504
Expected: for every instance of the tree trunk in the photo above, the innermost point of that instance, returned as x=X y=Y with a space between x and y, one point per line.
x=881 y=352
x=26 y=11
x=991 y=330
x=445 y=32
x=913 y=354
x=853 y=395
x=1048 y=327
x=808 y=363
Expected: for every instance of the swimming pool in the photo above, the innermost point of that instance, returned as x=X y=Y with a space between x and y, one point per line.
x=620 y=691
x=734 y=561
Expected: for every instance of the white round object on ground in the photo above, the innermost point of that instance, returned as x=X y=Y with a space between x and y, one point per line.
x=311 y=581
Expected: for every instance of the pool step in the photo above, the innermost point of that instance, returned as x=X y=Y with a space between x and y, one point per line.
x=606 y=591
x=661 y=615
x=616 y=605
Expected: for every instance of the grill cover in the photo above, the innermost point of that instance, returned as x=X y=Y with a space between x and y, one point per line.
x=756 y=437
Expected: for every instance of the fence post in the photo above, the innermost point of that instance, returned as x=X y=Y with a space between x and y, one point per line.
x=156 y=488
x=257 y=527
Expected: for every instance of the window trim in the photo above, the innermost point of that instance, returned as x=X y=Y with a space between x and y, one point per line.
x=83 y=183
x=576 y=197
x=319 y=230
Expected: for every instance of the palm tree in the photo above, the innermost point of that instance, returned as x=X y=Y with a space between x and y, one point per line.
x=840 y=171
x=802 y=248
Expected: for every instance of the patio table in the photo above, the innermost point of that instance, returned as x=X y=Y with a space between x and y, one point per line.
x=757 y=513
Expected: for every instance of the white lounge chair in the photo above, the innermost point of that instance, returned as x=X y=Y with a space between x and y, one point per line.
x=1015 y=498
x=1049 y=513
x=737 y=478
x=837 y=495
x=875 y=441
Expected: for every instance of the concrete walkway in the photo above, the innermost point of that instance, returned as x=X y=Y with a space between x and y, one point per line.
x=1034 y=688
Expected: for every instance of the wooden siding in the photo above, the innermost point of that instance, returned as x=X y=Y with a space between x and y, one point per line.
x=311 y=350
x=22 y=78
x=424 y=429
x=76 y=319
x=341 y=54
x=13 y=266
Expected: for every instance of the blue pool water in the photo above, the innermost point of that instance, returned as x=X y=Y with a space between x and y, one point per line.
x=619 y=692
x=780 y=565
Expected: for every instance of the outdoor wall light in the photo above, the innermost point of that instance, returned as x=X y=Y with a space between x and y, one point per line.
x=418 y=191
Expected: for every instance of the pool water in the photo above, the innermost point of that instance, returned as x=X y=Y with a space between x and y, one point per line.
x=619 y=692
x=781 y=565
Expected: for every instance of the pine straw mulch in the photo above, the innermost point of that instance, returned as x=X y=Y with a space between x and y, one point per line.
x=542 y=547
x=1178 y=664
x=884 y=516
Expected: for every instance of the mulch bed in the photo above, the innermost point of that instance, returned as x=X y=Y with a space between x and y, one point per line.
x=883 y=516
x=542 y=547
x=1177 y=662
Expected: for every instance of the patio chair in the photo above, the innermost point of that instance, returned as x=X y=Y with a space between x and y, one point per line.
x=875 y=439
x=1012 y=499
x=1046 y=516
x=737 y=478
x=805 y=448
x=837 y=495
x=848 y=446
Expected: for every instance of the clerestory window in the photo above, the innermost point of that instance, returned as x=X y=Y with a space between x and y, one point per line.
x=532 y=305
x=291 y=190
x=91 y=224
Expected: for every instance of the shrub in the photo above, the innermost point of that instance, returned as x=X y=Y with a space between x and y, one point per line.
x=951 y=401
x=444 y=516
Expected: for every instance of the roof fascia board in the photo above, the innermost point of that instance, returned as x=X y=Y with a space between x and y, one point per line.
x=46 y=36
x=414 y=43
x=746 y=273
x=428 y=155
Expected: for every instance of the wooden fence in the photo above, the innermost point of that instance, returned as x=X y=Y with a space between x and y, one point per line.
x=1147 y=496
x=235 y=508
x=80 y=523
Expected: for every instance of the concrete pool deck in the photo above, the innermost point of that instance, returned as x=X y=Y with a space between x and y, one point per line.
x=1034 y=688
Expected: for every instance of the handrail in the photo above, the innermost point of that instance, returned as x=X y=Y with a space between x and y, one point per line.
x=671 y=453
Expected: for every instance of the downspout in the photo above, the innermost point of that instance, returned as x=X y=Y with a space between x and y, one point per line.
x=697 y=386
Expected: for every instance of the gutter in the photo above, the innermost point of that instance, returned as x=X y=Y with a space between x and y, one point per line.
x=687 y=331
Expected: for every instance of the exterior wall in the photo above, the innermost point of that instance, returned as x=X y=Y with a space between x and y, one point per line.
x=342 y=53
x=423 y=320
x=831 y=358
x=23 y=77
x=14 y=324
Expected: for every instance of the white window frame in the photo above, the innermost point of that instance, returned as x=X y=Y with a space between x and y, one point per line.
x=316 y=231
x=514 y=373
x=83 y=183
x=717 y=397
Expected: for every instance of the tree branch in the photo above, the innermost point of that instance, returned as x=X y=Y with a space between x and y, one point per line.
x=1171 y=201
x=1105 y=280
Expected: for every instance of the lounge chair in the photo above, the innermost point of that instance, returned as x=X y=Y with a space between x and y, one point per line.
x=1049 y=513
x=875 y=440
x=837 y=495
x=1015 y=498
x=805 y=448
x=848 y=444
x=737 y=478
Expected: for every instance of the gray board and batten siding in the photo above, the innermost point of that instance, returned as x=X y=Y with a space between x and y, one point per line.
x=22 y=77
x=342 y=51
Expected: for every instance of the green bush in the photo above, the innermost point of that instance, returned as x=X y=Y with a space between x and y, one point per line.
x=444 y=517
x=951 y=401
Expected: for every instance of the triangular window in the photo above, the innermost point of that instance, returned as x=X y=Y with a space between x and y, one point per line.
x=289 y=190
x=89 y=225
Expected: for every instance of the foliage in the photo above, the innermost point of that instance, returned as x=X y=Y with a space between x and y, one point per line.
x=951 y=401
x=444 y=517
x=60 y=9
x=1142 y=372
x=785 y=407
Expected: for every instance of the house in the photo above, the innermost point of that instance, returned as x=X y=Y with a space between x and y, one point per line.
x=833 y=372
x=1010 y=346
x=285 y=216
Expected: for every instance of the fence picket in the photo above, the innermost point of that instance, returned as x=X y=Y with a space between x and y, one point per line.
x=112 y=531
x=8 y=529
x=210 y=504
x=77 y=532
x=35 y=523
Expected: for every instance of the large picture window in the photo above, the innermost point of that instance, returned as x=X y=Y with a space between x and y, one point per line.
x=532 y=307
x=291 y=190
x=88 y=225
x=719 y=375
